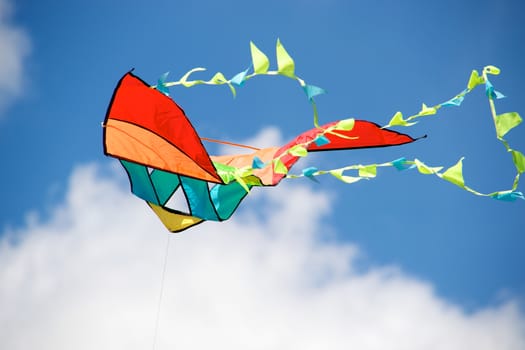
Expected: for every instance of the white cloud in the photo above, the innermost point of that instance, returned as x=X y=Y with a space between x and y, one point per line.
x=89 y=278
x=14 y=48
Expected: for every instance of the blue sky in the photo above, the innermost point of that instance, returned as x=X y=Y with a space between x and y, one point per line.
x=374 y=58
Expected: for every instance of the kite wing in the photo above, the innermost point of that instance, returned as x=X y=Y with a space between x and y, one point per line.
x=159 y=148
x=146 y=127
x=362 y=134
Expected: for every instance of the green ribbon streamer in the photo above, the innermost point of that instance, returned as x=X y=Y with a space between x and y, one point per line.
x=261 y=66
x=503 y=124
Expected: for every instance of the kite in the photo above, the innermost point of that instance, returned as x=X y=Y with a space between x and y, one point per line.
x=162 y=153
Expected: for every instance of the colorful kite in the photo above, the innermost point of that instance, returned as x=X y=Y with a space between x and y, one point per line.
x=163 y=154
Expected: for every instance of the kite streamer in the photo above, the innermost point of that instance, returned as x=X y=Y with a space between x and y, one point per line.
x=163 y=154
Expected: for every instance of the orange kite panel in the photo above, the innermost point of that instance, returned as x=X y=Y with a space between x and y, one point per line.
x=131 y=142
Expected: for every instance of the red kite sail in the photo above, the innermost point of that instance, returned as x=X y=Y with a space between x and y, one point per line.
x=144 y=126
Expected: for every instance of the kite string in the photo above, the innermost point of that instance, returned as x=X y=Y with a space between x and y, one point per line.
x=159 y=303
x=230 y=143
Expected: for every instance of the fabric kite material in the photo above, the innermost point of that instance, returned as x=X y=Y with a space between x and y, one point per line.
x=163 y=154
